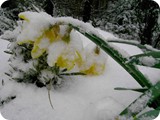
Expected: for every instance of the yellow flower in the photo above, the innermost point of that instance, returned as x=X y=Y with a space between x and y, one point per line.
x=65 y=63
x=94 y=62
x=69 y=59
x=42 y=43
x=66 y=53
x=22 y=16
x=94 y=69
x=61 y=43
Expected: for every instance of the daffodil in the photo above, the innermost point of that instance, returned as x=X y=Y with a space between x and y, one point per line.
x=65 y=52
x=94 y=61
x=34 y=25
x=42 y=43
x=62 y=44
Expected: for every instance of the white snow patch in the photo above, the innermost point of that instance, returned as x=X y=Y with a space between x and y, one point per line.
x=151 y=73
x=140 y=104
x=120 y=50
x=105 y=109
x=148 y=60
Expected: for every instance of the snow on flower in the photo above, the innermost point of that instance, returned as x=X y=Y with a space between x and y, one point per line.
x=65 y=51
x=34 y=25
x=94 y=60
x=61 y=43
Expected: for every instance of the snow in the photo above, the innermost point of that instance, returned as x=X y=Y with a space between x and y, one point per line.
x=4 y=57
x=151 y=73
x=34 y=25
x=79 y=97
x=61 y=48
x=140 y=104
x=130 y=50
x=120 y=51
x=148 y=61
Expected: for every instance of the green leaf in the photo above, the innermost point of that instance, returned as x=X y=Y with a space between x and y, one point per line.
x=150 y=53
x=142 y=90
x=152 y=114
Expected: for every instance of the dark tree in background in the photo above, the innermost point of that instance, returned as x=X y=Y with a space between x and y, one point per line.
x=87 y=10
x=11 y=5
x=48 y=6
x=147 y=14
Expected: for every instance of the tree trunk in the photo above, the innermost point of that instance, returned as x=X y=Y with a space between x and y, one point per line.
x=148 y=8
x=87 y=10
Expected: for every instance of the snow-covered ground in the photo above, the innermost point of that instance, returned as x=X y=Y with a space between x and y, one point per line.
x=80 y=97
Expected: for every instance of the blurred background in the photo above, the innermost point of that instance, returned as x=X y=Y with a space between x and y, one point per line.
x=127 y=19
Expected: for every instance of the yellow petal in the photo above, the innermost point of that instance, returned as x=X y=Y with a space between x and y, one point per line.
x=37 y=52
x=53 y=33
x=79 y=59
x=65 y=63
x=23 y=17
x=94 y=69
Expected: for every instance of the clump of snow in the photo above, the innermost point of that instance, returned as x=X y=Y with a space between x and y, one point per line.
x=145 y=117
x=120 y=51
x=83 y=27
x=130 y=49
x=151 y=73
x=107 y=35
x=151 y=48
x=93 y=60
x=67 y=50
x=33 y=26
x=148 y=61
x=140 y=104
